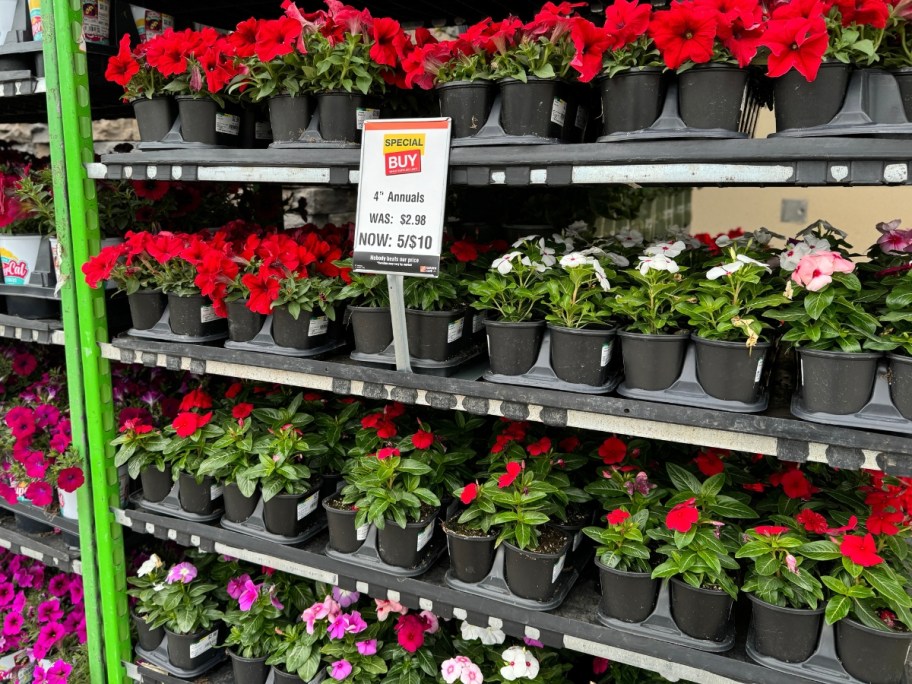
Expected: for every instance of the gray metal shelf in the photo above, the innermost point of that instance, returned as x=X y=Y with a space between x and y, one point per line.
x=48 y=548
x=28 y=330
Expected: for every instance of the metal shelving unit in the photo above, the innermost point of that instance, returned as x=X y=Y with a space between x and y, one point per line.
x=49 y=548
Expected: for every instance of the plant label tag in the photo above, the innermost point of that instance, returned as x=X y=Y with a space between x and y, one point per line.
x=215 y=491
x=478 y=323
x=365 y=114
x=318 y=326
x=454 y=330
x=558 y=111
x=426 y=534
x=229 y=124
x=759 y=371
x=582 y=118
x=577 y=540
x=801 y=369
x=207 y=314
x=402 y=197
x=606 y=353
x=263 y=130
x=207 y=642
x=558 y=568
x=361 y=532
x=308 y=506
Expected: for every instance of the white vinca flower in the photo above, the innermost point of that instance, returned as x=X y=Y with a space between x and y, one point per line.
x=601 y=276
x=150 y=566
x=565 y=242
x=618 y=260
x=818 y=244
x=520 y=664
x=574 y=259
x=723 y=269
x=548 y=258
x=576 y=228
x=488 y=636
x=669 y=249
x=658 y=262
x=723 y=241
x=789 y=258
x=629 y=238
x=527 y=238
x=503 y=264
x=762 y=236
x=744 y=259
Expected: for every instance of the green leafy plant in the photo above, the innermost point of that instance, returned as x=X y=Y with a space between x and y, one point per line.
x=783 y=570
x=514 y=285
x=144 y=588
x=577 y=292
x=252 y=624
x=138 y=449
x=346 y=65
x=365 y=289
x=648 y=302
x=443 y=293
x=312 y=294
x=186 y=605
x=622 y=544
x=295 y=651
x=231 y=455
x=524 y=503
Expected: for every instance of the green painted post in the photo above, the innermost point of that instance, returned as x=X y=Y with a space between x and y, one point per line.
x=72 y=107
x=73 y=360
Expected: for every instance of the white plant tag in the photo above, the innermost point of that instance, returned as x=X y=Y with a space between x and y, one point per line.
x=577 y=540
x=308 y=506
x=454 y=330
x=759 y=371
x=361 y=532
x=318 y=326
x=229 y=124
x=362 y=115
x=478 y=323
x=558 y=567
x=215 y=491
x=606 y=353
x=207 y=314
x=207 y=642
x=558 y=111
x=426 y=534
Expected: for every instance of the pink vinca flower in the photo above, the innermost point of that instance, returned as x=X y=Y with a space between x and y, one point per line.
x=249 y=596
x=815 y=271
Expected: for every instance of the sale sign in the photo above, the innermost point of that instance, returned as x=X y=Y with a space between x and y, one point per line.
x=402 y=153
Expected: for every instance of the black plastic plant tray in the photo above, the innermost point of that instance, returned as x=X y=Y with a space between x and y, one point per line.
x=27 y=510
x=661 y=625
x=162 y=331
x=255 y=526
x=159 y=658
x=173 y=140
x=447 y=368
x=687 y=391
x=367 y=556
x=541 y=375
x=492 y=133
x=264 y=342
x=823 y=666
x=170 y=506
x=311 y=139
x=878 y=414
x=494 y=586
x=872 y=107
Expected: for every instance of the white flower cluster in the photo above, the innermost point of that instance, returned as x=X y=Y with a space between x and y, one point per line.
x=585 y=258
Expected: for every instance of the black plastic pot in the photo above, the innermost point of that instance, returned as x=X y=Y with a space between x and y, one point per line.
x=249 y=670
x=532 y=575
x=467 y=103
x=237 y=506
x=581 y=355
x=340 y=115
x=513 y=347
x=343 y=535
x=154 y=117
x=529 y=108
x=700 y=613
x=148 y=638
x=198 y=119
x=835 y=381
x=435 y=335
x=156 y=484
x=471 y=558
x=146 y=308
x=330 y=485
x=288 y=116
x=243 y=324
x=711 y=96
x=652 y=362
x=307 y=332
x=787 y=634
x=282 y=677
x=729 y=370
x=29 y=526
x=373 y=328
x=903 y=78
x=799 y=104
x=627 y=596
x=179 y=649
x=901 y=383
x=290 y=514
x=186 y=314
x=196 y=498
x=870 y=655
x=402 y=547
x=631 y=100
x=32 y=307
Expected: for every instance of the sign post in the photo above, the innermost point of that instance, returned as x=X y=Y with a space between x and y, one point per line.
x=401 y=202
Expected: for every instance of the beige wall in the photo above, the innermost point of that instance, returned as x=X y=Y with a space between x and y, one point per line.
x=854 y=210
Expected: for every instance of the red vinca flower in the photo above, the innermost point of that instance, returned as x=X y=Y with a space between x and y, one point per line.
x=683 y=33
x=709 y=463
x=469 y=493
x=812 y=521
x=422 y=439
x=884 y=523
x=514 y=468
x=186 y=423
x=387 y=452
x=683 y=516
x=242 y=410
x=860 y=550
x=770 y=530
x=196 y=399
x=542 y=446
x=617 y=516
x=612 y=450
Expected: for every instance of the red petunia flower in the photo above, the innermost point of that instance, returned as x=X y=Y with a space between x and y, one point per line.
x=422 y=439
x=70 y=479
x=122 y=67
x=590 y=42
x=542 y=446
x=244 y=38
x=812 y=521
x=860 y=550
x=469 y=493
x=264 y=290
x=709 y=463
x=770 y=530
x=242 y=410
x=683 y=516
x=617 y=516
x=99 y=267
x=874 y=13
x=387 y=452
x=186 y=423
x=683 y=33
x=514 y=468
x=613 y=450
x=464 y=251
x=388 y=42
x=625 y=22
x=795 y=44
x=24 y=364
x=276 y=37
x=151 y=189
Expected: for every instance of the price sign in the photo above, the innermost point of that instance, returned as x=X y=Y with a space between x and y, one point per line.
x=401 y=196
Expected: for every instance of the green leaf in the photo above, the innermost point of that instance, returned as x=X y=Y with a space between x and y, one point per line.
x=683 y=480
x=819 y=550
x=837 y=609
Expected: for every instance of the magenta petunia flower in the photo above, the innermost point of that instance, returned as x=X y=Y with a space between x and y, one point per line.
x=12 y=624
x=49 y=611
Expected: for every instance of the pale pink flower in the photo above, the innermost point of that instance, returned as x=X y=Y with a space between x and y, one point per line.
x=385 y=608
x=792 y=564
x=815 y=271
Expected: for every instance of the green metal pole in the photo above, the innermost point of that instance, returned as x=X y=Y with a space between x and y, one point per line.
x=73 y=359
x=75 y=115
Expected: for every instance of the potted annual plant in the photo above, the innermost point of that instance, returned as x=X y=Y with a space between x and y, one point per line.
x=511 y=290
x=896 y=52
x=252 y=628
x=304 y=311
x=144 y=88
x=576 y=299
x=724 y=309
x=141 y=448
x=700 y=565
x=228 y=461
x=470 y=538
x=189 y=612
x=783 y=587
x=435 y=314
x=144 y=610
x=369 y=309
x=295 y=654
x=652 y=341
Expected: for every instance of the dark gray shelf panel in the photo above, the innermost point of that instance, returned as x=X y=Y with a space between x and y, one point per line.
x=27 y=330
x=776 y=435
x=573 y=625
x=147 y=674
x=39 y=514
x=49 y=548
x=769 y=161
